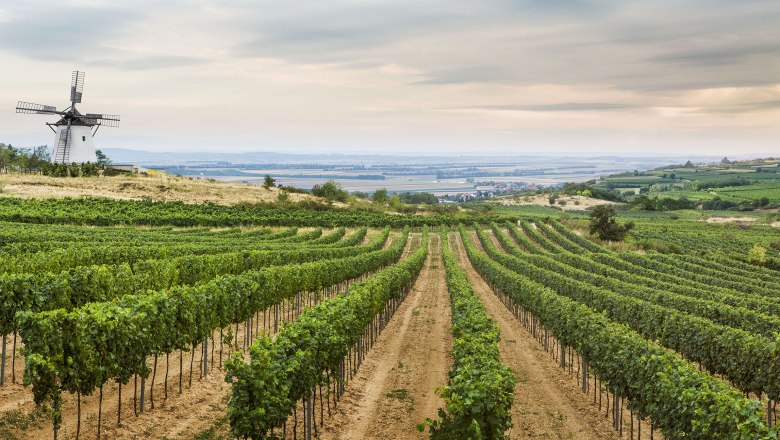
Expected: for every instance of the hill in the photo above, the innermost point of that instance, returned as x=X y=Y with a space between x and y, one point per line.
x=156 y=186
x=726 y=185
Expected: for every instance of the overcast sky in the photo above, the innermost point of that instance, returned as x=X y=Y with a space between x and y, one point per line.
x=402 y=76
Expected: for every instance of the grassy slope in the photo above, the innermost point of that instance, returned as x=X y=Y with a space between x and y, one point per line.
x=156 y=187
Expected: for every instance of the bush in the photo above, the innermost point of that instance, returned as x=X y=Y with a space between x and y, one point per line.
x=604 y=225
x=757 y=255
x=331 y=191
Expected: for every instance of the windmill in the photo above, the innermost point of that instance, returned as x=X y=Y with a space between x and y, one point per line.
x=74 y=131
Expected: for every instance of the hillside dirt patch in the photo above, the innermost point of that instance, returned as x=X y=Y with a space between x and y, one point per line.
x=394 y=389
x=730 y=220
x=158 y=186
x=572 y=203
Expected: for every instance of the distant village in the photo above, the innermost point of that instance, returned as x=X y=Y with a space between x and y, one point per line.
x=488 y=190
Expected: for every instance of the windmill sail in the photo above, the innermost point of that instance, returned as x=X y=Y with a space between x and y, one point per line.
x=101 y=119
x=76 y=86
x=34 y=109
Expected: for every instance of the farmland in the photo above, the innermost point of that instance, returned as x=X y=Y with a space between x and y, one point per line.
x=742 y=185
x=140 y=319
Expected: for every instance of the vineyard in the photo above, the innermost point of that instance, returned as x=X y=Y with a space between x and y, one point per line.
x=138 y=319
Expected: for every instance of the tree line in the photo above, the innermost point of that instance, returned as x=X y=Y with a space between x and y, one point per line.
x=38 y=160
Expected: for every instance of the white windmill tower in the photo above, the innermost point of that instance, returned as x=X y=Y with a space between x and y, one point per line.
x=74 y=131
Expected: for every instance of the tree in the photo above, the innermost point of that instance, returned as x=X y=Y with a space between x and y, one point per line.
x=331 y=191
x=725 y=161
x=688 y=164
x=380 y=196
x=269 y=182
x=418 y=198
x=40 y=157
x=395 y=202
x=102 y=159
x=604 y=225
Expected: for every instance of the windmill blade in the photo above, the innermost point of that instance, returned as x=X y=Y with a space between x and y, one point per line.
x=36 y=109
x=101 y=119
x=76 y=86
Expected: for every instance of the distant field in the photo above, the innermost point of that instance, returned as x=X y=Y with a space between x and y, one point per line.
x=401 y=183
x=696 y=195
x=740 y=186
x=716 y=175
x=770 y=190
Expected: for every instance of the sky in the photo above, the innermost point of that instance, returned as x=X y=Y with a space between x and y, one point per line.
x=402 y=76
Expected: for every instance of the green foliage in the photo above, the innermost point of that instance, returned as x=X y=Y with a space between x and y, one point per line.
x=604 y=225
x=283 y=370
x=331 y=191
x=418 y=198
x=681 y=401
x=480 y=391
x=396 y=203
x=283 y=198
x=102 y=159
x=695 y=236
x=104 y=212
x=268 y=182
x=593 y=191
x=674 y=320
x=80 y=349
x=757 y=255
x=23 y=159
x=380 y=196
x=79 y=285
x=86 y=169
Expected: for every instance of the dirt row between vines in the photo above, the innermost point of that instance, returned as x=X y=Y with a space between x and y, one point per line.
x=394 y=389
x=548 y=403
x=180 y=416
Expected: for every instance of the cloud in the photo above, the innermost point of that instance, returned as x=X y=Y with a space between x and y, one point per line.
x=747 y=107
x=149 y=62
x=560 y=107
x=61 y=32
x=589 y=71
x=338 y=31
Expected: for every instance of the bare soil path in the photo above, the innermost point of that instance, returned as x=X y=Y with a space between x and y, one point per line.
x=394 y=388
x=548 y=404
